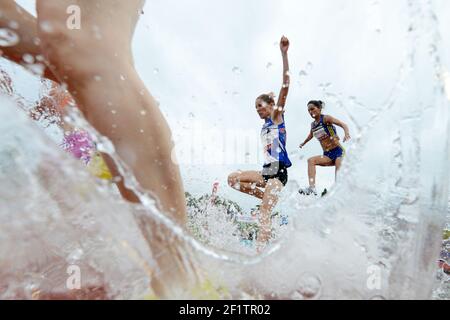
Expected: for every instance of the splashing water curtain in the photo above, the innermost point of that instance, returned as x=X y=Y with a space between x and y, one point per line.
x=56 y=216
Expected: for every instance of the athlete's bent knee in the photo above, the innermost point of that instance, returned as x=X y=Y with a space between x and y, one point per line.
x=233 y=179
x=274 y=183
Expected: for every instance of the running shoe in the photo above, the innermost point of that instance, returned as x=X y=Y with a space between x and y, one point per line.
x=308 y=191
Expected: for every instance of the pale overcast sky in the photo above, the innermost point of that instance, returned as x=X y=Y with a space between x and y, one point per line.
x=207 y=61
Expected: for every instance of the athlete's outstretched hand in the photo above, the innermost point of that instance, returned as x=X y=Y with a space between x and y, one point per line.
x=284 y=44
x=347 y=137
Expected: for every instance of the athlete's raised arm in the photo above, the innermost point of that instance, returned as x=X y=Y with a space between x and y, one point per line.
x=279 y=108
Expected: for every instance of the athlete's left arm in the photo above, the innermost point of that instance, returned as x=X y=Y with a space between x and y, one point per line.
x=277 y=114
x=339 y=123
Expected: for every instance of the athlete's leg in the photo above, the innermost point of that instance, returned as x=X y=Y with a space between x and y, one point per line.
x=96 y=63
x=270 y=199
x=312 y=163
x=338 y=164
x=113 y=99
x=25 y=26
x=249 y=182
x=27 y=30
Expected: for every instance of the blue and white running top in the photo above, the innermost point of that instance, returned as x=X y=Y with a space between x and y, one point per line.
x=273 y=139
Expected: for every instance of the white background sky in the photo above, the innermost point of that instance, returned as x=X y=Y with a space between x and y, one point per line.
x=186 y=50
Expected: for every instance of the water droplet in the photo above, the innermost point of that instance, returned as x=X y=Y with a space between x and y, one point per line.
x=303 y=73
x=109 y=104
x=310 y=286
x=236 y=70
x=75 y=255
x=143 y=112
x=32 y=289
x=296 y=296
x=97 y=33
x=191 y=115
x=46 y=26
x=113 y=111
x=324 y=86
x=36 y=68
x=13 y=25
x=8 y=38
x=97 y=78
x=155 y=70
x=28 y=58
x=122 y=77
x=309 y=66
x=445 y=76
x=268 y=65
x=36 y=41
x=141 y=131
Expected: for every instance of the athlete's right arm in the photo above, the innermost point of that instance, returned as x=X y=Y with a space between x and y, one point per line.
x=279 y=110
x=308 y=139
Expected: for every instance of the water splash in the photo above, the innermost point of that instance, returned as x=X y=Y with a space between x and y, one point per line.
x=391 y=225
